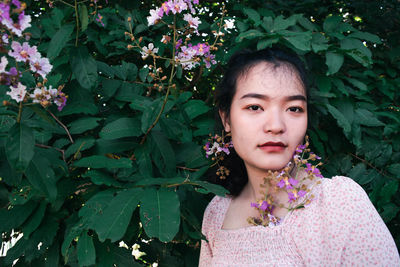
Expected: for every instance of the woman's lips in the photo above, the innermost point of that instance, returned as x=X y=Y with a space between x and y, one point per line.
x=273 y=146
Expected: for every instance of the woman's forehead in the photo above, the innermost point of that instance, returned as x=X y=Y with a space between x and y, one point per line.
x=281 y=78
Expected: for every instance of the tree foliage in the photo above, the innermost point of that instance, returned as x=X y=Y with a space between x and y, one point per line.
x=123 y=160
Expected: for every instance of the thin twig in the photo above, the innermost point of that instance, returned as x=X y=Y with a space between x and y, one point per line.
x=62 y=125
x=187 y=169
x=77 y=23
x=368 y=163
x=60 y=150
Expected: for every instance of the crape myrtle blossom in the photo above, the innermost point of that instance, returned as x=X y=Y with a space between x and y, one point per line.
x=148 y=51
x=23 y=22
x=3 y=64
x=188 y=54
x=193 y=21
x=17 y=93
x=45 y=96
x=40 y=65
x=171 y=6
x=26 y=53
x=23 y=52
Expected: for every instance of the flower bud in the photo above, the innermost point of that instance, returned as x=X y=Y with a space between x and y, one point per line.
x=6 y=103
x=129 y=19
x=129 y=46
x=140 y=39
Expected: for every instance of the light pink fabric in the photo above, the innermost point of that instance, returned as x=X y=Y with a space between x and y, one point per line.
x=340 y=227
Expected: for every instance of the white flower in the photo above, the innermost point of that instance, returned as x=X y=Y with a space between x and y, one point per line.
x=17 y=93
x=3 y=64
x=18 y=28
x=193 y=21
x=152 y=19
x=148 y=51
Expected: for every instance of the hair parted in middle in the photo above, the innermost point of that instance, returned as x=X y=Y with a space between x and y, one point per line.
x=238 y=65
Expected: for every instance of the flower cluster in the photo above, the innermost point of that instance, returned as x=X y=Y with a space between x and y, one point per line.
x=171 y=6
x=26 y=53
x=13 y=19
x=187 y=55
x=45 y=96
x=297 y=179
x=217 y=148
x=12 y=16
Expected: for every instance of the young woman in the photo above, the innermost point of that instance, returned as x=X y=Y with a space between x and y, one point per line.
x=262 y=103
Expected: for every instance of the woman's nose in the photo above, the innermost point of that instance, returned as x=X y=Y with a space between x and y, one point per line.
x=274 y=122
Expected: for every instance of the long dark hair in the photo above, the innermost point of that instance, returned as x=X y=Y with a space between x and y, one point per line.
x=240 y=64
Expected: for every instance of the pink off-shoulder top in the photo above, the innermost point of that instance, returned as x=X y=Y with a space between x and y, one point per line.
x=340 y=227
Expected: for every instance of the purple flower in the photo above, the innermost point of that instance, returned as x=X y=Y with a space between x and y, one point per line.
x=209 y=59
x=164 y=9
x=23 y=52
x=4 y=38
x=301 y=193
x=177 y=6
x=281 y=183
x=41 y=65
x=300 y=148
x=61 y=101
x=313 y=170
x=293 y=182
x=99 y=19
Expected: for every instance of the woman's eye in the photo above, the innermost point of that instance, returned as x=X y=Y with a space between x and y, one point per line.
x=296 y=109
x=254 y=107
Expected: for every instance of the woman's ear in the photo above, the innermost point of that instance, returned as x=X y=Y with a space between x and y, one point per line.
x=225 y=121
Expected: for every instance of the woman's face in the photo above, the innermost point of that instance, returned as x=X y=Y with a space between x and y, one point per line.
x=268 y=117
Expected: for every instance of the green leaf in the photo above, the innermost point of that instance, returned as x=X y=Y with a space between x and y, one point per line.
x=357 y=83
x=142 y=154
x=103 y=162
x=359 y=174
x=86 y=250
x=83 y=17
x=212 y=188
x=128 y=92
x=42 y=177
x=250 y=34
x=105 y=69
x=59 y=40
x=83 y=124
x=84 y=67
x=143 y=73
x=123 y=127
x=110 y=86
x=194 y=108
x=253 y=15
x=280 y=23
x=388 y=190
x=80 y=145
x=331 y=24
x=334 y=61
x=390 y=211
x=34 y=221
x=20 y=146
x=264 y=43
x=14 y=217
x=301 y=41
x=366 y=36
x=367 y=118
x=140 y=28
x=100 y=178
x=115 y=219
x=168 y=155
x=159 y=213
x=93 y=209
x=394 y=169
x=340 y=118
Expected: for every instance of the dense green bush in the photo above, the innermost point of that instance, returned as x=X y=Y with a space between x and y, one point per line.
x=123 y=160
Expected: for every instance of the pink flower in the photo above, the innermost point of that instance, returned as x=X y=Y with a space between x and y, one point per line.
x=4 y=38
x=209 y=59
x=164 y=9
x=17 y=28
x=23 y=52
x=99 y=19
x=41 y=65
x=177 y=6
x=202 y=49
x=313 y=170
x=193 y=21
x=148 y=51
x=3 y=64
x=300 y=148
x=17 y=93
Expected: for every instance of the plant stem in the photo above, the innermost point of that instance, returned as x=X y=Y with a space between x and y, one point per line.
x=19 y=112
x=77 y=23
x=62 y=125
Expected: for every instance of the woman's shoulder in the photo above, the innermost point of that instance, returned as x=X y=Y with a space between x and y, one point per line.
x=342 y=187
x=218 y=204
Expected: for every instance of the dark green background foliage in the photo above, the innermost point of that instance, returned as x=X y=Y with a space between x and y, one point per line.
x=81 y=198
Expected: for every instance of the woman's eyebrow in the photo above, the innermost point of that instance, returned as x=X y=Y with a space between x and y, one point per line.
x=265 y=97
